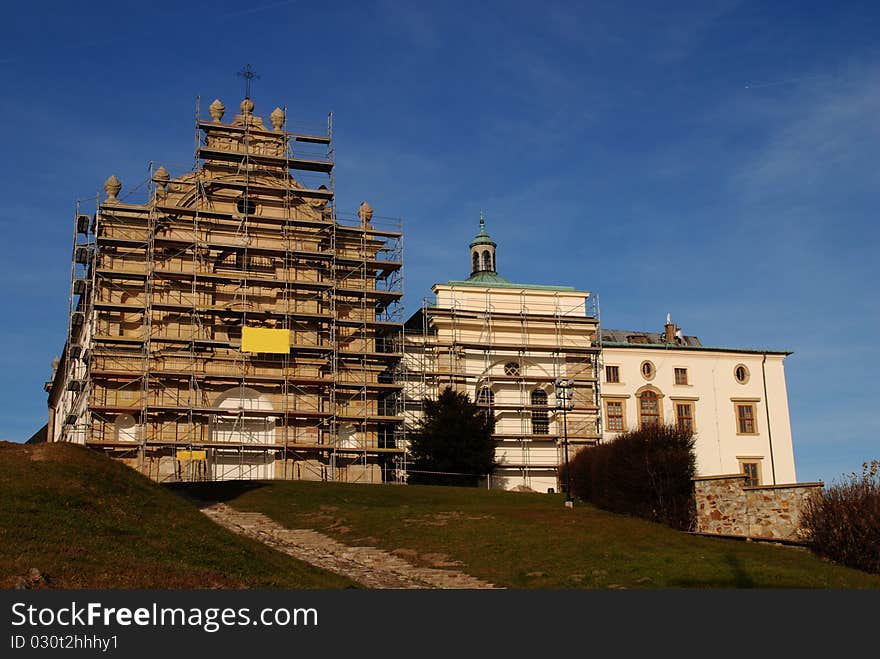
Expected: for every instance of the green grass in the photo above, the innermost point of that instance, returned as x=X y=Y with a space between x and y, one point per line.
x=85 y=521
x=522 y=540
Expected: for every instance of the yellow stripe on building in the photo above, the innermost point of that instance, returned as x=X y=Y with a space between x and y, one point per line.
x=259 y=339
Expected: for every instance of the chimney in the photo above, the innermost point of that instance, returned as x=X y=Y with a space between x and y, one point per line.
x=670 y=329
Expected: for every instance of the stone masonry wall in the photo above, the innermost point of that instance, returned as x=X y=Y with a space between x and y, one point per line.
x=726 y=506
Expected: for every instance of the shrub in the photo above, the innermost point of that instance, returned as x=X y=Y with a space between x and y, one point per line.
x=843 y=521
x=646 y=472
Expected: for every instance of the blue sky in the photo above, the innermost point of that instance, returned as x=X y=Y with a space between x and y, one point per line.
x=715 y=160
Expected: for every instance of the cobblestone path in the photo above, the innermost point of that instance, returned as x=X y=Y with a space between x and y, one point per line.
x=369 y=566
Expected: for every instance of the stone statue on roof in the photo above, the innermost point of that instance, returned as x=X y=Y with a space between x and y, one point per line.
x=365 y=212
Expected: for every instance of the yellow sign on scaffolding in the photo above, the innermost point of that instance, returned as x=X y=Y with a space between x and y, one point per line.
x=259 y=339
x=192 y=455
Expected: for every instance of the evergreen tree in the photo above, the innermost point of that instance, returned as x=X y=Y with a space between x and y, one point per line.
x=453 y=435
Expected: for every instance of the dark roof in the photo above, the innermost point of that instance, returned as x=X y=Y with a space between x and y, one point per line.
x=641 y=338
x=626 y=339
x=40 y=436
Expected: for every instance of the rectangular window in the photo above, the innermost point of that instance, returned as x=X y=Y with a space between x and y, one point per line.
x=649 y=409
x=684 y=416
x=540 y=422
x=612 y=374
x=614 y=414
x=753 y=471
x=681 y=376
x=745 y=419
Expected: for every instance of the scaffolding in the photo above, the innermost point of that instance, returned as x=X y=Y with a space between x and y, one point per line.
x=155 y=371
x=478 y=338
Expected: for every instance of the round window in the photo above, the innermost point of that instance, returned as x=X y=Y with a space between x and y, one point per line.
x=246 y=206
x=647 y=369
x=741 y=373
x=512 y=369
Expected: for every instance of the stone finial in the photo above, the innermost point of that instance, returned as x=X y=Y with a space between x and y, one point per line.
x=247 y=106
x=217 y=109
x=365 y=212
x=112 y=186
x=161 y=177
x=277 y=118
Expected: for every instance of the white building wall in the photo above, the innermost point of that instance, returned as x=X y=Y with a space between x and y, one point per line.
x=714 y=391
x=72 y=403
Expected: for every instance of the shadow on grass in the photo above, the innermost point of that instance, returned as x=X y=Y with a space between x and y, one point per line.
x=206 y=493
x=739 y=577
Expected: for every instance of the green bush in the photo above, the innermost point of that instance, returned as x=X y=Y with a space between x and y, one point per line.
x=647 y=473
x=843 y=521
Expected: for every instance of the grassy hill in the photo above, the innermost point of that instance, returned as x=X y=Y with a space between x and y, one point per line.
x=84 y=521
x=522 y=540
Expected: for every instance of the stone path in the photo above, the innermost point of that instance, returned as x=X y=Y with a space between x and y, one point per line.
x=369 y=566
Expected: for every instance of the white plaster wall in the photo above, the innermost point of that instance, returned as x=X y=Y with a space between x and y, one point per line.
x=507 y=300
x=70 y=402
x=713 y=388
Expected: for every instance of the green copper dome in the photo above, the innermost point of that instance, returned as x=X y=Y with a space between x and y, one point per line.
x=483 y=238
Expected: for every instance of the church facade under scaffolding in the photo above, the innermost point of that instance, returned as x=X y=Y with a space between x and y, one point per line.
x=230 y=323
x=506 y=344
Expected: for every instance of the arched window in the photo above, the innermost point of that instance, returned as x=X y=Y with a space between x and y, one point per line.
x=540 y=418
x=125 y=428
x=486 y=397
x=649 y=409
x=476 y=261
x=487 y=260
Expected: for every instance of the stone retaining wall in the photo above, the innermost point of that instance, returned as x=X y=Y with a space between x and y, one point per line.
x=727 y=506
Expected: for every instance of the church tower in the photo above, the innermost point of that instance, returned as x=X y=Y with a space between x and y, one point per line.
x=483 y=251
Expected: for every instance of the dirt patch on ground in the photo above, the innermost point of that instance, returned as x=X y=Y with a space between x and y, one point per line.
x=406 y=553
x=440 y=560
x=442 y=519
x=41 y=452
